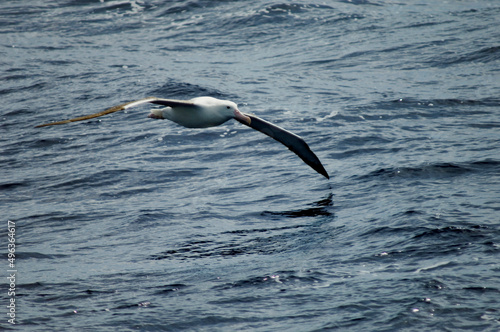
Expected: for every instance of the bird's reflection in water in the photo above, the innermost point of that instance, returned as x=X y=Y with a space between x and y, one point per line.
x=322 y=207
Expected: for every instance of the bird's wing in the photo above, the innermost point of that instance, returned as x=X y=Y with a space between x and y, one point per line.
x=154 y=100
x=290 y=140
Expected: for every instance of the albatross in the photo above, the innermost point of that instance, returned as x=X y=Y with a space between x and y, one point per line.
x=203 y=112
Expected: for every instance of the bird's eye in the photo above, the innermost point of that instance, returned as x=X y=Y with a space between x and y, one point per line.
x=228 y=107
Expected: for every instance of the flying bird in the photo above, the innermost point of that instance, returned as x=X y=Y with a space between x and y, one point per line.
x=203 y=112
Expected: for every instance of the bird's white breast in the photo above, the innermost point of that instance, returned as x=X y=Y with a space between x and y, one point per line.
x=195 y=117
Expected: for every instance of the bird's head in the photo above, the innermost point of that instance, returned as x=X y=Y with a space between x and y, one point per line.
x=231 y=109
x=224 y=108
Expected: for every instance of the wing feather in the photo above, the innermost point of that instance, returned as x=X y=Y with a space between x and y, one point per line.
x=293 y=142
x=121 y=107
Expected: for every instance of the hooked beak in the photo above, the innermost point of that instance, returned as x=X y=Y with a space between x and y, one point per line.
x=242 y=117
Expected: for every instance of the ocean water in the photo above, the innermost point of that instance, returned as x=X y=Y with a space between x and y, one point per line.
x=133 y=224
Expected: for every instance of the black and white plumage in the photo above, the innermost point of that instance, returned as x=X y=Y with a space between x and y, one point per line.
x=203 y=112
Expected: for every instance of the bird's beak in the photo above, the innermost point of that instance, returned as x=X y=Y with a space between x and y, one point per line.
x=242 y=117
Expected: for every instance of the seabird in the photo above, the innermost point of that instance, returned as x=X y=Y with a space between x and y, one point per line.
x=203 y=112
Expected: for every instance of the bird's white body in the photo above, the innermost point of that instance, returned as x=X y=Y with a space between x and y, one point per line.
x=203 y=112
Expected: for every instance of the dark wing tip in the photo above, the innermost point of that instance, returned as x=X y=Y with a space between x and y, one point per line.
x=301 y=149
x=321 y=170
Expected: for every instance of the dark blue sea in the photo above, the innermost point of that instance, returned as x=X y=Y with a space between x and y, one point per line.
x=125 y=223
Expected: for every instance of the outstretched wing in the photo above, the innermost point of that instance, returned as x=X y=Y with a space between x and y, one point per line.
x=154 y=100
x=294 y=142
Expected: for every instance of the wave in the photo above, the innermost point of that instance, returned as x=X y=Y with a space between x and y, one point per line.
x=415 y=108
x=437 y=170
x=240 y=244
x=484 y=55
x=284 y=278
x=489 y=101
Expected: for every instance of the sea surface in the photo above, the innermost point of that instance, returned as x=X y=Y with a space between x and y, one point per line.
x=125 y=223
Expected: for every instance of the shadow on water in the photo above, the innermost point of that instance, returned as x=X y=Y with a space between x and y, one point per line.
x=319 y=208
